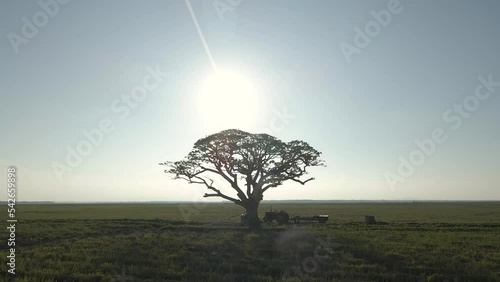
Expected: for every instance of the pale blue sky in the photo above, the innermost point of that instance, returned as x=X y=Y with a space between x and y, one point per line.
x=362 y=115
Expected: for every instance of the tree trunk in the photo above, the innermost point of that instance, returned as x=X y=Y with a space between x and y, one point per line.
x=252 y=209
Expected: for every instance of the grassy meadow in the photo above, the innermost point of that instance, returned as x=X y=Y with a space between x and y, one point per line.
x=185 y=242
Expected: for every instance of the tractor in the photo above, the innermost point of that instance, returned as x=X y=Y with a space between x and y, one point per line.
x=281 y=217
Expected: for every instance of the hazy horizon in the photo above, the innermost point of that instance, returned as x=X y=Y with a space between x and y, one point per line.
x=264 y=202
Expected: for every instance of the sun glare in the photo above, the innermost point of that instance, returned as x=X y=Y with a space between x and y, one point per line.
x=227 y=100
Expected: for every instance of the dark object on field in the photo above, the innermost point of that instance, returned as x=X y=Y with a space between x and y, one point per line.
x=281 y=217
x=322 y=218
x=369 y=219
x=244 y=217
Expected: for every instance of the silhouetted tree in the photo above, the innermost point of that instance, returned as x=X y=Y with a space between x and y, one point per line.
x=250 y=163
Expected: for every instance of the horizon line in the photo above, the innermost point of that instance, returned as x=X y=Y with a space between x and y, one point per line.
x=229 y=202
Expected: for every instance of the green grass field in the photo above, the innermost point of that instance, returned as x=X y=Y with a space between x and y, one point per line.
x=172 y=242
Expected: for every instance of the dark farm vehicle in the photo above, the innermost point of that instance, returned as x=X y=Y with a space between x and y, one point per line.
x=322 y=218
x=282 y=217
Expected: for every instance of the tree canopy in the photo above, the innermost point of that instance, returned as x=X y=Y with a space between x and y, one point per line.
x=250 y=163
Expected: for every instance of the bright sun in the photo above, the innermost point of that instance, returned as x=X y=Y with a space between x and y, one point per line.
x=227 y=100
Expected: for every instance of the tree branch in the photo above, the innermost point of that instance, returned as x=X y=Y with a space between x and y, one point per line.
x=234 y=185
x=302 y=182
x=217 y=191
